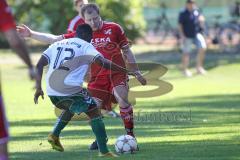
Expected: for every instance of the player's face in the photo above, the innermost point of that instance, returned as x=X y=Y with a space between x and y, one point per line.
x=93 y=19
x=191 y=6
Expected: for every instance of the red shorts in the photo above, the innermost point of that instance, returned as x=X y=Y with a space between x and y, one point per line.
x=6 y=18
x=3 y=124
x=102 y=88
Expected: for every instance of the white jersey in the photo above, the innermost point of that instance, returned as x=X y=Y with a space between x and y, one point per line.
x=68 y=62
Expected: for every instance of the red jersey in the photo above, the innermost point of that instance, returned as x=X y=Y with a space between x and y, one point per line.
x=6 y=18
x=73 y=24
x=108 y=41
x=3 y=124
x=6 y=23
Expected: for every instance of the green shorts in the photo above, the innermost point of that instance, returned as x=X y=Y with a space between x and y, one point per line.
x=77 y=103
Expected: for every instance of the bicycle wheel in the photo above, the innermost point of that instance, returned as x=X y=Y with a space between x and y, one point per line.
x=159 y=32
x=164 y=29
x=229 y=38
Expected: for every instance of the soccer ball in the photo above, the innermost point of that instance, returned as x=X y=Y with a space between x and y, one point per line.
x=125 y=144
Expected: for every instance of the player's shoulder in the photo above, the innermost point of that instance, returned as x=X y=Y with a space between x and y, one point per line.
x=78 y=42
x=61 y=43
x=113 y=25
x=183 y=11
x=76 y=18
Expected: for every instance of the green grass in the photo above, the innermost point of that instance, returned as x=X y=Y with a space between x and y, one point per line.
x=208 y=126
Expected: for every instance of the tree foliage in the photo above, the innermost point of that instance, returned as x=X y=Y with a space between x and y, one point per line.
x=127 y=13
x=54 y=16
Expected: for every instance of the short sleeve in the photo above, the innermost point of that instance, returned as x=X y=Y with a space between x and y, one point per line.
x=180 y=18
x=92 y=53
x=48 y=53
x=122 y=38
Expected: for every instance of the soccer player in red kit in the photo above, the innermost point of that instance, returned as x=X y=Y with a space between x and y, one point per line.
x=77 y=20
x=8 y=27
x=109 y=39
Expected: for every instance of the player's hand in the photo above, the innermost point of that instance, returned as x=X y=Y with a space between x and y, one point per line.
x=139 y=77
x=24 y=31
x=39 y=92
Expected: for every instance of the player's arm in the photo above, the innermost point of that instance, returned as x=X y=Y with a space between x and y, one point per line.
x=112 y=66
x=201 y=20
x=132 y=64
x=105 y=63
x=25 y=31
x=128 y=54
x=180 y=26
x=39 y=69
x=20 y=48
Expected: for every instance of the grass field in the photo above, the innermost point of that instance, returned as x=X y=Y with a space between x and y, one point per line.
x=198 y=119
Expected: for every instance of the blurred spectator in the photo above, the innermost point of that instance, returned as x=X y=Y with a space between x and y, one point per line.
x=191 y=23
x=77 y=20
x=7 y=27
x=235 y=9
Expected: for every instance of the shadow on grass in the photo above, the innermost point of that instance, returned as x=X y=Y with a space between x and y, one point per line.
x=180 y=150
x=192 y=150
x=221 y=112
x=212 y=60
x=230 y=101
x=71 y=153
x=205 y=110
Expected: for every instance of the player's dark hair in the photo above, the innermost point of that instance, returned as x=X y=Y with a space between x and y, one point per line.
x=89 y=8
x=190 y=1
x=84 y=31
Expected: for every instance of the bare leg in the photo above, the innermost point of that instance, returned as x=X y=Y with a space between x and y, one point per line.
x=200 y=59
x=185 y=64
x=126 y=109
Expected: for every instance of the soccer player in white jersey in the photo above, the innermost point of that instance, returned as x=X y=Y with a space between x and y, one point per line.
x=68 y=62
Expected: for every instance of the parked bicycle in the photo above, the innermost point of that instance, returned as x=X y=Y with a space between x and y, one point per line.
x=225 y=35
x=161 y=29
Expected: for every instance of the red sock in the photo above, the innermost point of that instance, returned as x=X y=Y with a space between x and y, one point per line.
x=127 y=117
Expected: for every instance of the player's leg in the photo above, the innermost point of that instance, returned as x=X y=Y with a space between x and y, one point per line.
x=126 y=109
x=99 y=102
x=201 y=46
x=98 y=127
x=186 y=48
x=96 y=95
x=3 y=133
x=53 y=137
x=99 y=90
x=61 y=123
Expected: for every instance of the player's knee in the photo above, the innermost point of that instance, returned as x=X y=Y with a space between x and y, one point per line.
x=94 y=112
x=98 y=101
x=123 y=101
